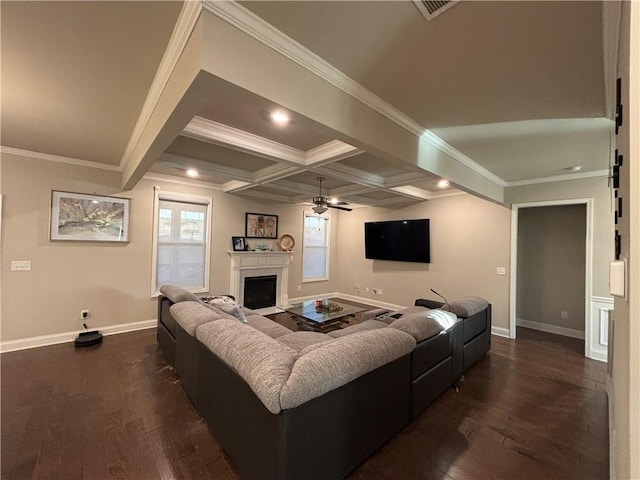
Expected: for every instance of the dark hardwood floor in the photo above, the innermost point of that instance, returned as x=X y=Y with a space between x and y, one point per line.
x=533 y=408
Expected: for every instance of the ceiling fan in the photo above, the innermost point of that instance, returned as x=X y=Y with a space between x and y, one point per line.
x=322 y=203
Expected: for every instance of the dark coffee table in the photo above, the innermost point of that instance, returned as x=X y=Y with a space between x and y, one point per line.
x=319 y=318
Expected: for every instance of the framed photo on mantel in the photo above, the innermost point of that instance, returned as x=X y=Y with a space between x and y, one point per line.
x=238 y=244
x=260 y=225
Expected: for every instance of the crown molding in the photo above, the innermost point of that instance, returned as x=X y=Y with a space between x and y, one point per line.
x=185 y=24
x=253 y=25
x=453 y=152
x=209 y=131
x=172 y=160
x=60 y=159
x=559 y=178
x=161 y=177
x=332 y=151
x=447 y=193
x=413 y=192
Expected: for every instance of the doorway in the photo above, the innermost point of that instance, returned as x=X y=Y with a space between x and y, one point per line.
x=551 y=279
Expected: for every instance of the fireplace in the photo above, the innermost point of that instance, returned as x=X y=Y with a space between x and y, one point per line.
x=260 y=264
x=260 y=292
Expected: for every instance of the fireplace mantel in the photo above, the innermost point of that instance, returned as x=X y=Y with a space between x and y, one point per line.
x=249 y=264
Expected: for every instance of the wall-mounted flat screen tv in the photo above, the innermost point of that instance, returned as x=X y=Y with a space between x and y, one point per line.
x=398 y=240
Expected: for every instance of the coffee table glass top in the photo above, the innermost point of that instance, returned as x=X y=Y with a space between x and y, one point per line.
x=309 y=311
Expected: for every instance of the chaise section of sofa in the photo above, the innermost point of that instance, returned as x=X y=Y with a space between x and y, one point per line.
x=312 y=407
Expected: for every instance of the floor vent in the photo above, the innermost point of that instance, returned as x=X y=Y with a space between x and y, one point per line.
x=431 y=9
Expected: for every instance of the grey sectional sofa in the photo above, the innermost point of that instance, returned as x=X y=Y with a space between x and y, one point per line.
x=289 y=404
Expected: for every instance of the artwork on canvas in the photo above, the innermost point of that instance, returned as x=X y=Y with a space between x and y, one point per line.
x=260 y=225
x=82 y=217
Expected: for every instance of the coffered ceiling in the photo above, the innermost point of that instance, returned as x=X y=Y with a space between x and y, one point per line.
x=512 y=92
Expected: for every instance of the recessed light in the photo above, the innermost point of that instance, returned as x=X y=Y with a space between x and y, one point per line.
x=279 y=118
x=192 y=172
x=443 y=183
x=574 y=168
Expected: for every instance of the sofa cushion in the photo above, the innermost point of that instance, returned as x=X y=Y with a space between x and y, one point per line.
x=467 y=306
x=266 y=326
x=300 y=340
x=264 y=363
x=336 y=363
x=358 y=327
x=178 y=294
x=425 y=324
x=190 y=315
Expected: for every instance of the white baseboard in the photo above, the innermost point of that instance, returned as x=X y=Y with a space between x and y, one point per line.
x=543 y=327
x=598 y=355
x=500 y=332
x=56 y=338
x=370 y=301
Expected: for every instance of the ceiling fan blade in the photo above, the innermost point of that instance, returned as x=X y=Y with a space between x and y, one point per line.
x=339 y=203
x=340 y=208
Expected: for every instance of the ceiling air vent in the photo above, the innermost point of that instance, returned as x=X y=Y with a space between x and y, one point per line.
x=431 y=9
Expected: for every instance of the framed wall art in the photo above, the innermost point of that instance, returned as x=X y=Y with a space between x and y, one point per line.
x=260 y=225
x=89 y=218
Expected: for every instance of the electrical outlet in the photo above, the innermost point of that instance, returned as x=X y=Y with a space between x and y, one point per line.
x=379 y=291
x=564 y=315
x=366 y=289
x=358 y=289
x=501 y=270
x=299 y=288
x=84 y=314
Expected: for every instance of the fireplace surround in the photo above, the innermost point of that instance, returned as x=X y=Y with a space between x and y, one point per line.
x=260 y=264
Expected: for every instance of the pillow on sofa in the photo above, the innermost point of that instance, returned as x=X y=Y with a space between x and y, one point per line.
x=227 y=305
x=467 y=306
x=178 y=294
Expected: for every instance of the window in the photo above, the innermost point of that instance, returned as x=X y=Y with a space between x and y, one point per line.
x=181 y=241
x=315 y=253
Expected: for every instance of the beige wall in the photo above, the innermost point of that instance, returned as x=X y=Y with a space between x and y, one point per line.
x=469 y=239
x=595 y=188
x=113 y=281
x=551 y=265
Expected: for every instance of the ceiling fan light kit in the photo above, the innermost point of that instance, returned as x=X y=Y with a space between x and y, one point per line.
x=322 y=203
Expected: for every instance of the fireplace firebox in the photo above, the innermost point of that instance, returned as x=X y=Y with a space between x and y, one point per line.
x=260 y=292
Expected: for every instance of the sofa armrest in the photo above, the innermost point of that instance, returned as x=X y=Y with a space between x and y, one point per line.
x=427 y=303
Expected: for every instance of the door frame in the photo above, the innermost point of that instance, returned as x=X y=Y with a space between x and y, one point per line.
x=588 y=263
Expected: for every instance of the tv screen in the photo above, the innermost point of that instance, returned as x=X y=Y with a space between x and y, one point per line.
x=398 y=240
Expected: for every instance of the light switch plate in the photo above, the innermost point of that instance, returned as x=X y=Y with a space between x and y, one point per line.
x=618 y=278
x=501 y=270
x=20 y=265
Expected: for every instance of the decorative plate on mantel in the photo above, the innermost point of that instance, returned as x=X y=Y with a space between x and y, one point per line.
x=286 y=242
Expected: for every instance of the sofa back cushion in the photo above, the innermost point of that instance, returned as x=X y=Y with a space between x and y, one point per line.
x=190 y=315
x=425 y=324
x=467 y=306
x=331 y=365
x=264 y=363
x=178 y=294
